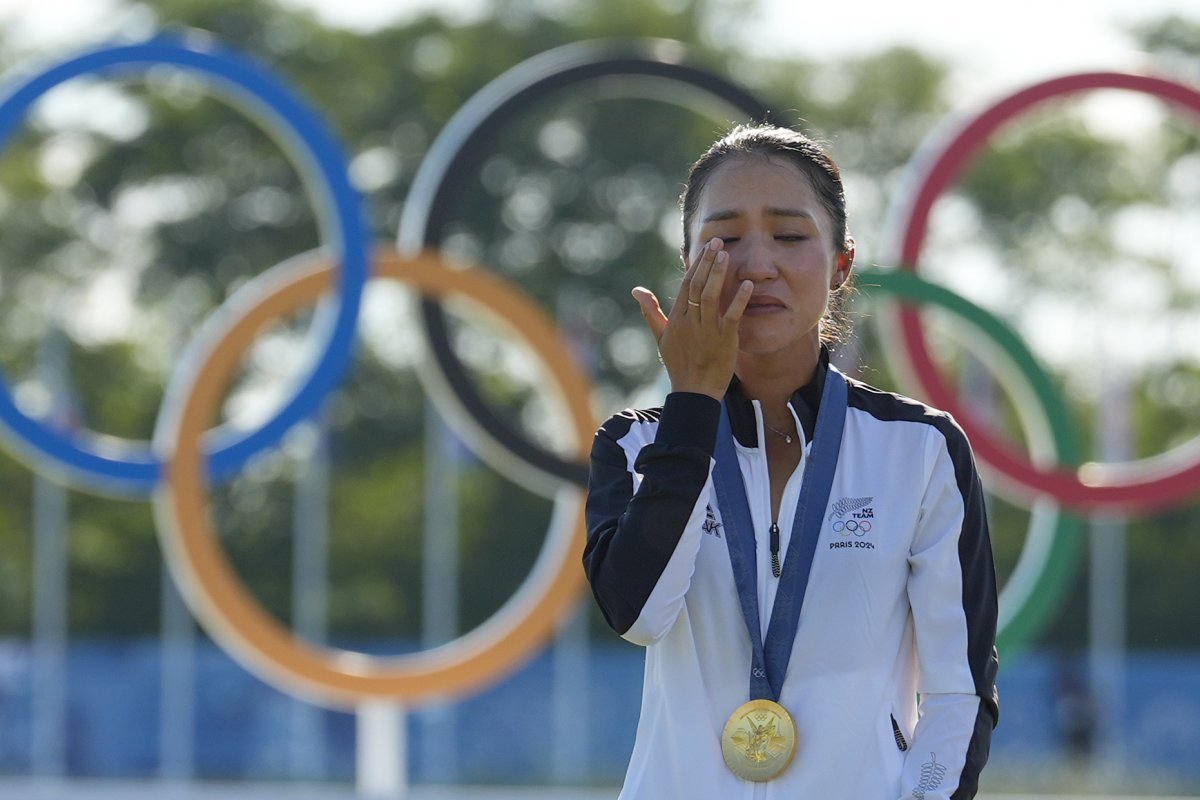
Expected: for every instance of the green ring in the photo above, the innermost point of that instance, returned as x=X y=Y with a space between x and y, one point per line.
x=1054 y=575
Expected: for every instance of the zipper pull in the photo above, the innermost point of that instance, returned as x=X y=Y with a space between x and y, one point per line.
x=900 y=743
x=776 y=570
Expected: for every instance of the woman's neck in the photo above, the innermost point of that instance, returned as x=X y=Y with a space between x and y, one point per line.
x=772 y=378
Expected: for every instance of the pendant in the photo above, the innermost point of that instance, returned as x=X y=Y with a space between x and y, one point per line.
x=759 y=741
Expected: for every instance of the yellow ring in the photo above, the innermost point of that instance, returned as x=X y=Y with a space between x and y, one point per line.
x=233 y=616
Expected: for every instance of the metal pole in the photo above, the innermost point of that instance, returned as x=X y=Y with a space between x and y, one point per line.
x=50 y=588
x=572 y=704
x=50 y=580
x=177 y=706
x=49 y=629
x=439 y=586
x=1107 y=586
x=310 y=591
x=177 y=652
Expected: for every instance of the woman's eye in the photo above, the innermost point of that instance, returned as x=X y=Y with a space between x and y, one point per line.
x=729 y=239
x=792 y=237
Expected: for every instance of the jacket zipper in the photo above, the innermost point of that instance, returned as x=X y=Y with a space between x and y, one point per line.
x=775 y=567
x=900 y=743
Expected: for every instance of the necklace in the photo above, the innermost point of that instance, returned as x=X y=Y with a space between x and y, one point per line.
x=787 y=437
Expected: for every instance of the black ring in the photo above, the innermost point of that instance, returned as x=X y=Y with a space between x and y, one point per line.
x=460 y=148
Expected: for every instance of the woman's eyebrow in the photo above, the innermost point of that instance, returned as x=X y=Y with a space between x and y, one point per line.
x=774 y=211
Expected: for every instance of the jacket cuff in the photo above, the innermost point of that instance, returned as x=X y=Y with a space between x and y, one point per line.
x=689 y=419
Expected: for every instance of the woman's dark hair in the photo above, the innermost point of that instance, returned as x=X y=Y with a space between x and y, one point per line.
x=808 y=156
x=770 y=141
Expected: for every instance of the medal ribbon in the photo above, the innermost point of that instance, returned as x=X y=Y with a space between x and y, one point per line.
x=770 y=661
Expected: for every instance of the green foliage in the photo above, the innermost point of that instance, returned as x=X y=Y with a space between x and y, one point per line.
x=16 y=545
x=1010 y=181
x=1174 y=39
x=575 y=202
x=115 y=576
x=1163 y=590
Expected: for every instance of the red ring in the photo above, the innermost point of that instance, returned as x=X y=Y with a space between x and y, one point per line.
x=1065 y=485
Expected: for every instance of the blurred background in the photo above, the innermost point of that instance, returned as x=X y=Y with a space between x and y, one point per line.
x=130 y=210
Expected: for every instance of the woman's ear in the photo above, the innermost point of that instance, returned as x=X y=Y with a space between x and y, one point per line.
x=843 y=265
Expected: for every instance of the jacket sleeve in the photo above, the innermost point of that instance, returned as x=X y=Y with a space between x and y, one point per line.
x=644 y=519
x=952 y=591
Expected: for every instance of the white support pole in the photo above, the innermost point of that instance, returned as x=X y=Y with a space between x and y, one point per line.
x=382 y=751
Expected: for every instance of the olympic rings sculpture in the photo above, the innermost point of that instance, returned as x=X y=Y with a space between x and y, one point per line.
x=210 y=583
x=1150 y=484
x=459 y=148
x=183 y=459
x=130 y=468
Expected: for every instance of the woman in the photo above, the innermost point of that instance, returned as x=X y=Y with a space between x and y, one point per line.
x=801 y=554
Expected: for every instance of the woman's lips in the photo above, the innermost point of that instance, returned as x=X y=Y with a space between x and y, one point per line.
x=764 y=305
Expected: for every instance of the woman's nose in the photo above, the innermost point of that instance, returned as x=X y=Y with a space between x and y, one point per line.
x=754 y=259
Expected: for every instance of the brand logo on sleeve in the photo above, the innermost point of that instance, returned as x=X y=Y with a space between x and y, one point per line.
x=711 y=526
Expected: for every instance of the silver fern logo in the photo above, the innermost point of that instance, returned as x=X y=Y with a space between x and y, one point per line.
x=932 y=774
x=848 y=505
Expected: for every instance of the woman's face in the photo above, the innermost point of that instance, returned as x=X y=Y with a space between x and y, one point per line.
x=780 y=237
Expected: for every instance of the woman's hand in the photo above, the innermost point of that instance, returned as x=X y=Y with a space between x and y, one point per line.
x=698 y=342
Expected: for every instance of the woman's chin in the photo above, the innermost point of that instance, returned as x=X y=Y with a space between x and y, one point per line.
x=755 y=338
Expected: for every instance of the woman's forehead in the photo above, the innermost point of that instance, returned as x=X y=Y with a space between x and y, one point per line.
x=753 y=183
x=757 y=172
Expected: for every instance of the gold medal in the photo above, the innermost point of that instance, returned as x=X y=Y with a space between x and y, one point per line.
x=759 y=741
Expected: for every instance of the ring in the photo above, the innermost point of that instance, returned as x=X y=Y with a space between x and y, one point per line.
x=1053 y=541
x=122 y=467
x=1153 y=483
x=216 y=593
x=462 y=145
x=694 y=305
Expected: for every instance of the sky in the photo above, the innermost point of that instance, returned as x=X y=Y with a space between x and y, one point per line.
x=1023 y=41
x=990 y=54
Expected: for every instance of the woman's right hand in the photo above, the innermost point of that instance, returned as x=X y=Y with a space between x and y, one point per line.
x=698 y=341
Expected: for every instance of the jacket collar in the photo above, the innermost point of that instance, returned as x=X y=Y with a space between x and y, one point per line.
x=806 y=401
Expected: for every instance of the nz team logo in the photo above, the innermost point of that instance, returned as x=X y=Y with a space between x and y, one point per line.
x=852 y=516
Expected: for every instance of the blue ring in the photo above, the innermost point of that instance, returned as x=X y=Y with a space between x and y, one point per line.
x=283 y=114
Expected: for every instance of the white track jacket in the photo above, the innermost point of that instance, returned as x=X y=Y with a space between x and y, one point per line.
x=901 y=600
